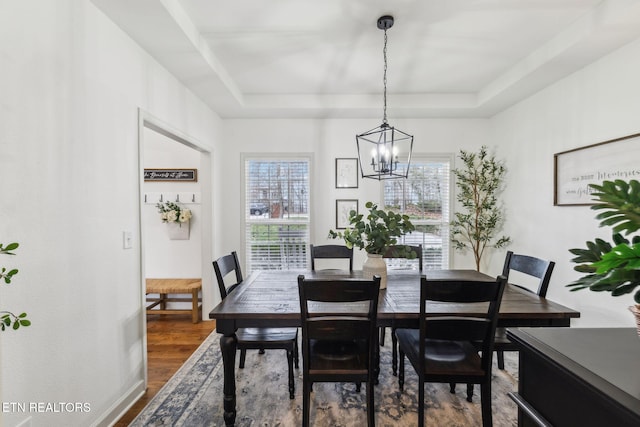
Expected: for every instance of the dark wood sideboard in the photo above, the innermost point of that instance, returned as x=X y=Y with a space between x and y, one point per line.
x=578 y=376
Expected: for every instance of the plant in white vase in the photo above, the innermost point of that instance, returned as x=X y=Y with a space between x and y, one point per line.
x=375 y=234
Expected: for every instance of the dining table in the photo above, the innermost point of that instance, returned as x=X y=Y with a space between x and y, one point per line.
x=270 y=299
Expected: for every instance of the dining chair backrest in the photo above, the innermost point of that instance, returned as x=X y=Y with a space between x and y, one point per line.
x=223 y=266
x=531 y=266
x=392 y=252
x=330 y=252
x=337 y=318
x=339 y=335
x=479 y=328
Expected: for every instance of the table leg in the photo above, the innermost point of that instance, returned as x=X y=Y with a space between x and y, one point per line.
x=228 y=344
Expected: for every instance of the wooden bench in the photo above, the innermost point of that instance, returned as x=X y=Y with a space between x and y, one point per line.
x=163 y=287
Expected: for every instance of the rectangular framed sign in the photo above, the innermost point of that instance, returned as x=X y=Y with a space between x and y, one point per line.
x=575 y=169
x=187 y=175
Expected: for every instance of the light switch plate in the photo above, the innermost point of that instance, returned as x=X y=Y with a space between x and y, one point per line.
x=127 y=239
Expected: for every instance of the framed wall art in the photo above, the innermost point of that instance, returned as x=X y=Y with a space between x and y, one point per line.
x=575 y=169
x=346 y=173
x=343 y=208
x=186 y=175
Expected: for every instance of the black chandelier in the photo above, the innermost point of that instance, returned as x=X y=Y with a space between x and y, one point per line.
x=386 y=146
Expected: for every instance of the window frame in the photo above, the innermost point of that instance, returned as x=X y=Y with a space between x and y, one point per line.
x=420 y=158
x=271 y=157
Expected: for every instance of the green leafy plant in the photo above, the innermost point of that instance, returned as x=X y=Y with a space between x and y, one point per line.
x=377 y=232
x=7 y=318
x=612 y=268
x=479 y=182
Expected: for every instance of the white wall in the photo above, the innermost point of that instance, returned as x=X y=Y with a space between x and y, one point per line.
x=71 y=85
x=598 y=103
x=328 y=139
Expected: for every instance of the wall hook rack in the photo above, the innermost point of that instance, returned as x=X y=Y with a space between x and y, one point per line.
x=186 y=198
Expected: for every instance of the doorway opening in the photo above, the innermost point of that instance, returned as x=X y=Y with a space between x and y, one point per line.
x=163 y=147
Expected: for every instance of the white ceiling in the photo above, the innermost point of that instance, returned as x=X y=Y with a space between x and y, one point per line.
x=306 y=58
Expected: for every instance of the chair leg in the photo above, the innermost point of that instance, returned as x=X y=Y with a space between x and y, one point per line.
x=401 y=372
x=261 y=351
x=452 y=388
x=371 y=418
x=295 y=355
x=485 y=402
x=306 y=401
x=243 y=356
x=292 y=386
x=382 y=334
x=358 y=387
x=500 y=356
x=421 y=402
x=394 y=353
x=469 y=392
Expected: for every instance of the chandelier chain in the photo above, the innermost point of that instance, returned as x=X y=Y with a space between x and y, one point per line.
x=384 y=78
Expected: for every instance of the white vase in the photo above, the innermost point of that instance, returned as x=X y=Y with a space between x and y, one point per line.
x=375 y=265
x=178 y=230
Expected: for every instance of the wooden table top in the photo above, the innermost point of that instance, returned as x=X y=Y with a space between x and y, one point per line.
x=272 y=296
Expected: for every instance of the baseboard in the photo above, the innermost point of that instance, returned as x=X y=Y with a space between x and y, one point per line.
x=121 y=406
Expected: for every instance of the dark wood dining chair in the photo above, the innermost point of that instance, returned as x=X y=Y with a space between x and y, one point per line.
x=392 y=253
x=449 y=348
x=538 y=268
x=330 y=252
x=257 y=338
x=339 y=338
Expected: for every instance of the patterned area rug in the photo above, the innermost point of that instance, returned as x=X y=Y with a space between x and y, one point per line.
x=193 y=396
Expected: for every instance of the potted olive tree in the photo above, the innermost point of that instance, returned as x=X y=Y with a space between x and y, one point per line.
x=480 y=219
x=613 y=267
x=375 y=234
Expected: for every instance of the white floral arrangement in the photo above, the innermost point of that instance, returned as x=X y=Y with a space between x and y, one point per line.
x=172 y=212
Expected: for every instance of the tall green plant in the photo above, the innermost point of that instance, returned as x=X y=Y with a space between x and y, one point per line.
x=612 y=268
x=7 y=318
x=479 y=182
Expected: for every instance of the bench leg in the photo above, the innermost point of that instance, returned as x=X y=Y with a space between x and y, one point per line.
x=195 y=318
x=163 y=301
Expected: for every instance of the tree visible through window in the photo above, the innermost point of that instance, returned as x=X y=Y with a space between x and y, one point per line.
x=276 y=213
x=424 y=196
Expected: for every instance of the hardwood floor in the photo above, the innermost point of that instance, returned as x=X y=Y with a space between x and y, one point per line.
x=170 y=342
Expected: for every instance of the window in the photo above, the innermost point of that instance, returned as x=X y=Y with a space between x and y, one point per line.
x=425 y=197
x=276 y=213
